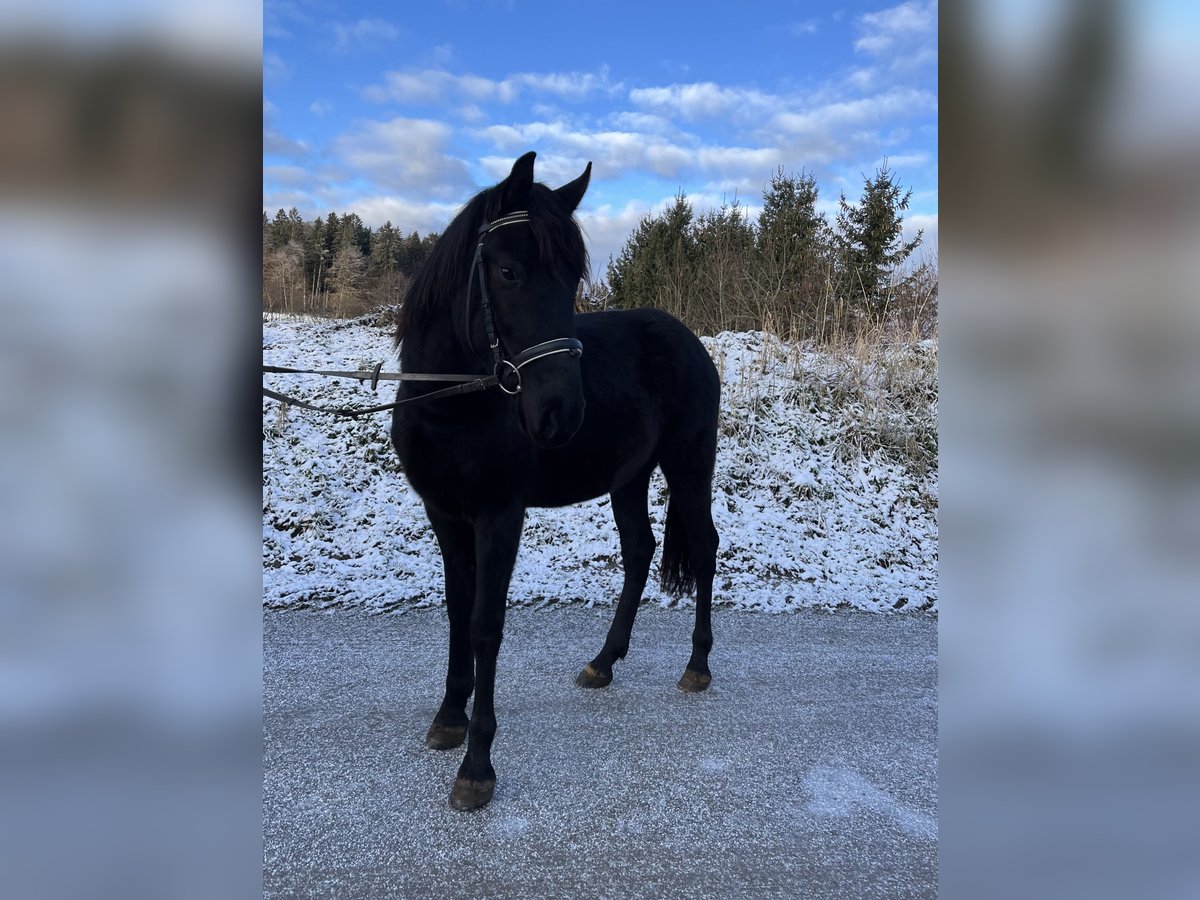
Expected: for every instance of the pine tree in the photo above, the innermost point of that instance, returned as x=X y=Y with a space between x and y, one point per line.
x=333 y=233
x=384 y=247
x=655 y=267
x=791 y=233
x=280 y=230
x=869 y=239
x=351 y=230
x=411 y=255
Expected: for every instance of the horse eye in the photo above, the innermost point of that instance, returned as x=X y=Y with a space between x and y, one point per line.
x=508 y=274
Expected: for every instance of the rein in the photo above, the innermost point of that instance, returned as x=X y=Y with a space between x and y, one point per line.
x=501 y=369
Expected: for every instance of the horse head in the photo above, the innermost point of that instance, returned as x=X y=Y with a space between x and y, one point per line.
x=530 y=260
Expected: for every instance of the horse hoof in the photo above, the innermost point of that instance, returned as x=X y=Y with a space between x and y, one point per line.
x=590 y=678
x=445 y=737
x=694 y=682
x=468 y=794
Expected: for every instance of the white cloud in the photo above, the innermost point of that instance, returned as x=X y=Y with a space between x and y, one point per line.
x=612 y=152
x=702 y=100
x=568 y=85
x=348 y=35
x=832 y=131
x=407 y=215
x=277 y=144
x=897 y=26
x=863 y=79
x=273 y=200
x=320 y=107
x=900 y=161
x=616 y=153
x=430 y=86
x=802 y=29
x=294 y=176
x=437 y=85
x=274 y=68
x=606 y=228
x=407 y=154
x=928 y=224
x=737 y=160
x=651 y=123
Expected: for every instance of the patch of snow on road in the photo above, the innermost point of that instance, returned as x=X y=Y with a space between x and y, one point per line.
x=842 y=792
x=815 y=498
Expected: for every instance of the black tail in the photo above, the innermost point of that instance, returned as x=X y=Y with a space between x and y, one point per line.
x=677 y=576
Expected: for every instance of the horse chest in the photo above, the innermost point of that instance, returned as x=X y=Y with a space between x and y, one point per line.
x=457 y=469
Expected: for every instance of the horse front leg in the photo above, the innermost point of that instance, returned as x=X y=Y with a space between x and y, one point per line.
x=456 y=540
x=497 y=537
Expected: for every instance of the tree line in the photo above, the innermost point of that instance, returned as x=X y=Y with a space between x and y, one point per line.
x=792 y=272
x=337 y=266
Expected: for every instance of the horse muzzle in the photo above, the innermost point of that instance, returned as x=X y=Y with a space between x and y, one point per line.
x=555 y=423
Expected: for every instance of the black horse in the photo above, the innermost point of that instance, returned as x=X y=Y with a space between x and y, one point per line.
x=586 y=405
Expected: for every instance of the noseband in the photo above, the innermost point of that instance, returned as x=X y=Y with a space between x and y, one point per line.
x=503 y=368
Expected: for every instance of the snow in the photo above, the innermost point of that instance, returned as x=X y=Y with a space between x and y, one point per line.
x=815 y=501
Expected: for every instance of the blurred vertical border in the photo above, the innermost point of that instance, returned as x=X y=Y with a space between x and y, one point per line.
x=1070 y=449
x=130 y=624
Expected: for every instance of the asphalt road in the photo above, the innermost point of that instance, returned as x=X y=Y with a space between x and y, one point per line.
x=808 y=769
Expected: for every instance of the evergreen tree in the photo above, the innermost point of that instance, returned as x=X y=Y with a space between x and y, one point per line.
x=351 y=230
x=791 y=233
x=384 y=246
x=316 y=258
x=280 y=230
x=411 y=255
x=333 y=232
x=869 y=239
x=656 y=262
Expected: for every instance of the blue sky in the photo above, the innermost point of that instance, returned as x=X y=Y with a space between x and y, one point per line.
x=403 y=111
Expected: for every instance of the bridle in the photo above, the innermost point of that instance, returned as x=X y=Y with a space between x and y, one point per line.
x=502 y=367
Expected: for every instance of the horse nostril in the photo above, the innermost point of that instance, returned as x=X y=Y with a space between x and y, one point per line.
x=549 y=424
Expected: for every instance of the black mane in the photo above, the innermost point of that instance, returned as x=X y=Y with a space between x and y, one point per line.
x=444 y=276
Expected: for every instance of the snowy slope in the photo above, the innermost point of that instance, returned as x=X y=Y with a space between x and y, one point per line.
x=825 y=492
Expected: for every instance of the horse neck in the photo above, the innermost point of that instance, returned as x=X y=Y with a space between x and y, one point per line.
x=437 y=345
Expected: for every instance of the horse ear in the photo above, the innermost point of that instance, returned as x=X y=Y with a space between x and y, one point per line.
x=572 y=192
x=519 y=183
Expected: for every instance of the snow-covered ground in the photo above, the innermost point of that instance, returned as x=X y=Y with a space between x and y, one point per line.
x=825 y=492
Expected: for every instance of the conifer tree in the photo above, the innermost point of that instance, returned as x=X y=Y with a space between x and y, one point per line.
x=869 y=239
x=791 y=233
x=656 y=263
x=384 y=246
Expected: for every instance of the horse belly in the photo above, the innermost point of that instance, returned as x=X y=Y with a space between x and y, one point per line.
x=577 y=473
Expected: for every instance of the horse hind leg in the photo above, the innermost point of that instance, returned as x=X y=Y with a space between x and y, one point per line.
x=690 y=557
x=637 y=550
